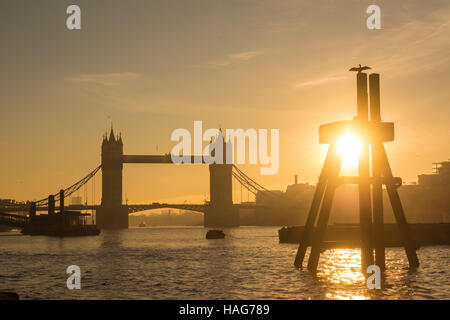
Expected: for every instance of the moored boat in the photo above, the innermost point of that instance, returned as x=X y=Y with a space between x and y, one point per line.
x=215 y=234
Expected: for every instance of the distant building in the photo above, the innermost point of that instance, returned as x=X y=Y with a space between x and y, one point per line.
x=427 y=201
x=77 y=200
x=268 y=197
x=441 y=176
x=282 y=208
x=7 y=201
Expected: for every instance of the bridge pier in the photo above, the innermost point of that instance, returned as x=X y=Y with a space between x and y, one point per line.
x=220 y=217
x=221 y=212
x=112 y=217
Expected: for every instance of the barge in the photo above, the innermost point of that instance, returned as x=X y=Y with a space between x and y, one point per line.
x=62 y=224
x=348 y=235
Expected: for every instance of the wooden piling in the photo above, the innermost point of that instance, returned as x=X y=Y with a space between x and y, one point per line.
x=314 y=209
x=374 y=90
x=377 y=186
x=32 y=210
x=319 y=232
x=370 y=187
x=61 y=201
x=365 y=210
x=377 y=200
x=399 y=214
x=362 y=96
x=51 y=204
x=365 y=213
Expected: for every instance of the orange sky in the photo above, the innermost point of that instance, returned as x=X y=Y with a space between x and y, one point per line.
x=153 y=66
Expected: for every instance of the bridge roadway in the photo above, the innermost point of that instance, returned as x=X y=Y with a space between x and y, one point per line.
x=166 y=158
x=133 y=207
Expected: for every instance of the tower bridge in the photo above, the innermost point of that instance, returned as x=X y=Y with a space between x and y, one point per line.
x=113 y=214
x=220 y=211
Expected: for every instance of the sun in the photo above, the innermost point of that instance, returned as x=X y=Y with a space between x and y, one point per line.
x=349 y=148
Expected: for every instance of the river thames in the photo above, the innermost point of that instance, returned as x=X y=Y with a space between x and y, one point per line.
x=179 y=263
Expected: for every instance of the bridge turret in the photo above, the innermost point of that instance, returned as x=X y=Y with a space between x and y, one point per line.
x=112 y=146
x=112 y=138
x=220 y=142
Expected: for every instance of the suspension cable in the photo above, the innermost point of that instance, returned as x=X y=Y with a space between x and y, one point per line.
x=73 y=188
x=252 y=186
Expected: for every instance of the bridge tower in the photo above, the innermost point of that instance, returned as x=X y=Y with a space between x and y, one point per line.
x=112 y=214
x=221 y=212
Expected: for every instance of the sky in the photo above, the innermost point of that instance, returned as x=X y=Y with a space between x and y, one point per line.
x=150 y=67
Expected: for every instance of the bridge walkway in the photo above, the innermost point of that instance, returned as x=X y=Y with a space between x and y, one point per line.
x=13 y=220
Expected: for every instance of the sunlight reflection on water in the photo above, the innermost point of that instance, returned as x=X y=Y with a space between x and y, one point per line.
x=341 y=269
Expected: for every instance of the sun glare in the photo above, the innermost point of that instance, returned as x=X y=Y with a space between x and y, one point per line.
x=349 y=148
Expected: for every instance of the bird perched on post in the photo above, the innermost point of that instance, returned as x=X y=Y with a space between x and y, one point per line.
x=360 y=68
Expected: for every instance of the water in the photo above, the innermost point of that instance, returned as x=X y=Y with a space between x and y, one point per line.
x=179 y=263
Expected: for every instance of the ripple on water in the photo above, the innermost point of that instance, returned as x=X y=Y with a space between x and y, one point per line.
x=179 y=263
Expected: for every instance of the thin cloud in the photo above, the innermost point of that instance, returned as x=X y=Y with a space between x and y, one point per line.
x=317 y=82
x=104 y=79
x=234 y=59
x=416 y=45
x=419 y=45
x=130 y=92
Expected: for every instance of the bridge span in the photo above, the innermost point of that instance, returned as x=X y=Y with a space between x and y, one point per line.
x=16 y=216
x=220 y=211
x=132 y=208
